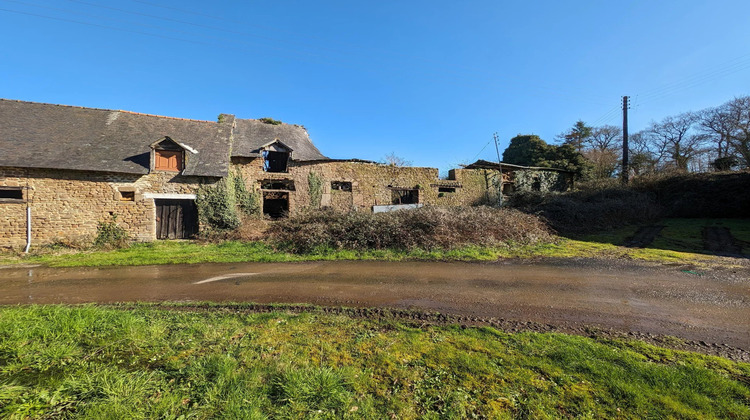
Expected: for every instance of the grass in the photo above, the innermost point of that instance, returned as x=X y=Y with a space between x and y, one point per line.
x=146 y=362
x=679 y=243
x=185 y=252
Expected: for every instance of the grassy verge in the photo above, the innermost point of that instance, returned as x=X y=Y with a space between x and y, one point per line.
x=184 y=252
x=679 y=242
x=94 y=362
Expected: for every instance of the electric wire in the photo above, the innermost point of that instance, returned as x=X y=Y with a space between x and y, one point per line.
x=696 y=80
x=480 y=152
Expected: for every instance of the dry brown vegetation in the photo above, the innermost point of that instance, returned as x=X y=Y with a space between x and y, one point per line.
x=425 y=228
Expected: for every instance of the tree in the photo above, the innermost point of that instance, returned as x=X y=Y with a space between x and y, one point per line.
x=738 y=115
x=676 y=139
x=530 y=150
x=392 y=160
x=565 y=156
x=728 y=127
x=577 y=136
x=526 y=150
x=643 y=160
x=603 y=150
x=714 y=122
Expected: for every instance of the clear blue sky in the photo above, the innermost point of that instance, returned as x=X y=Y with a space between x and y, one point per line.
x=430 y=81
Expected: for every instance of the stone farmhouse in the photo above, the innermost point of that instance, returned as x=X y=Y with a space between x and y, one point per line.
x=64 y=169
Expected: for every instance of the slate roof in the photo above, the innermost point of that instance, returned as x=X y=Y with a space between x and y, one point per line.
x=485 y=164
x=38 y=135
x=251 y=135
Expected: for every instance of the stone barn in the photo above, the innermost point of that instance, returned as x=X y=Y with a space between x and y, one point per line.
x=64 y=169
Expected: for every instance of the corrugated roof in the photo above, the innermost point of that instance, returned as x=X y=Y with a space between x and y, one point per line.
x=39 y=135
x=251 y=135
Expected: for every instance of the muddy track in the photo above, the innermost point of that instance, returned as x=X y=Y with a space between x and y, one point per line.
x=423 y=319
x=643 y=237
x=719 y=240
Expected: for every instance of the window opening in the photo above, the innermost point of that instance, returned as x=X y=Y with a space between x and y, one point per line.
x=277 y=184
x=275 y=161
x=404 y=196
x=127 y=195
x=341 y=186
x=536 y=185
x=446 y=189
x=11 y=193
x=275 y=204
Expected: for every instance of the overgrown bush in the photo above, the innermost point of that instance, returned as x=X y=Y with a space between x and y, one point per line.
x=592 y=210
x=221 y=206
x=110 y=235
x=267 y=120
x=604 y=204
x=706 y=195
x=424 y=228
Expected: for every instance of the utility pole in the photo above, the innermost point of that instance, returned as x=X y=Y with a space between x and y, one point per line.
x=625 y=168
x=500 y=169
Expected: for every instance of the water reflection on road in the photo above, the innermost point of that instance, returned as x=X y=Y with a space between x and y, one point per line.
x=631 y=299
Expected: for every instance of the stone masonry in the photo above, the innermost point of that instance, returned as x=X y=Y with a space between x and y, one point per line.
x=67 y=206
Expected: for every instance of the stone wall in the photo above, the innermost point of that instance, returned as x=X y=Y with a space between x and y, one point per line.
x=481 y=186
x=371 y=183
x=68 y=205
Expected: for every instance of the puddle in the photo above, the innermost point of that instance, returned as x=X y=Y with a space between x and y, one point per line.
x=652 y=301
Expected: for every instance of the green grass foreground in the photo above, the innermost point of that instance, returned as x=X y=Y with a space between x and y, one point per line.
x=679 y=242
x=149 y=362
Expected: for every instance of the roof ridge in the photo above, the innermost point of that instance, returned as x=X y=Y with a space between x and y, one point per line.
x=63 y=105
x=258 y=120
x=102 y=109
x=161 y=116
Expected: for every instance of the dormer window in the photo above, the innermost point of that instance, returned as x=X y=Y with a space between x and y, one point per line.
x=168 y=160
x=276 y=157
x=168 y=156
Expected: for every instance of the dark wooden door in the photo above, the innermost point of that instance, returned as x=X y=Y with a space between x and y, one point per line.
x=176 y=219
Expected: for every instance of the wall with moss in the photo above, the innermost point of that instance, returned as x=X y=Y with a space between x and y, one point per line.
x=541 y=180
x=372 y=184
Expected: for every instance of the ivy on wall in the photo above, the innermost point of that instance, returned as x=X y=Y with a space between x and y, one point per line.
x=544 y=181
x=315 y=189
x=220 y=206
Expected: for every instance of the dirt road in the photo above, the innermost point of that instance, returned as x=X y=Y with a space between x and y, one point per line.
x=630 y=298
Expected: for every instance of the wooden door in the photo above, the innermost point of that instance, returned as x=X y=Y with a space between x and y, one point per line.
x=176 y=219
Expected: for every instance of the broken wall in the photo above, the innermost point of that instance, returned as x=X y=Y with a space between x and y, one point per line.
x=352 y=185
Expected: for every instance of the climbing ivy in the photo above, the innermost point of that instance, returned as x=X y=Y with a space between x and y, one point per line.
x=220 y=205
x=315 y=189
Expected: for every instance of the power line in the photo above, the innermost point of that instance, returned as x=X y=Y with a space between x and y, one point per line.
x=480 y=152
x=734 y=66
x=611 y=111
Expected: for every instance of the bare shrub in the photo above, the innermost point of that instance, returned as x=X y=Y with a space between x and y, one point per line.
x=425 y=228
x=72 y=242
x=250 y=229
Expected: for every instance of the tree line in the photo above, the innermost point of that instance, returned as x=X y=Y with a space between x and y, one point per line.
x=711 y=139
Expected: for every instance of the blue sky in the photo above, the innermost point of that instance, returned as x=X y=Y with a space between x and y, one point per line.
x=430 y=81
